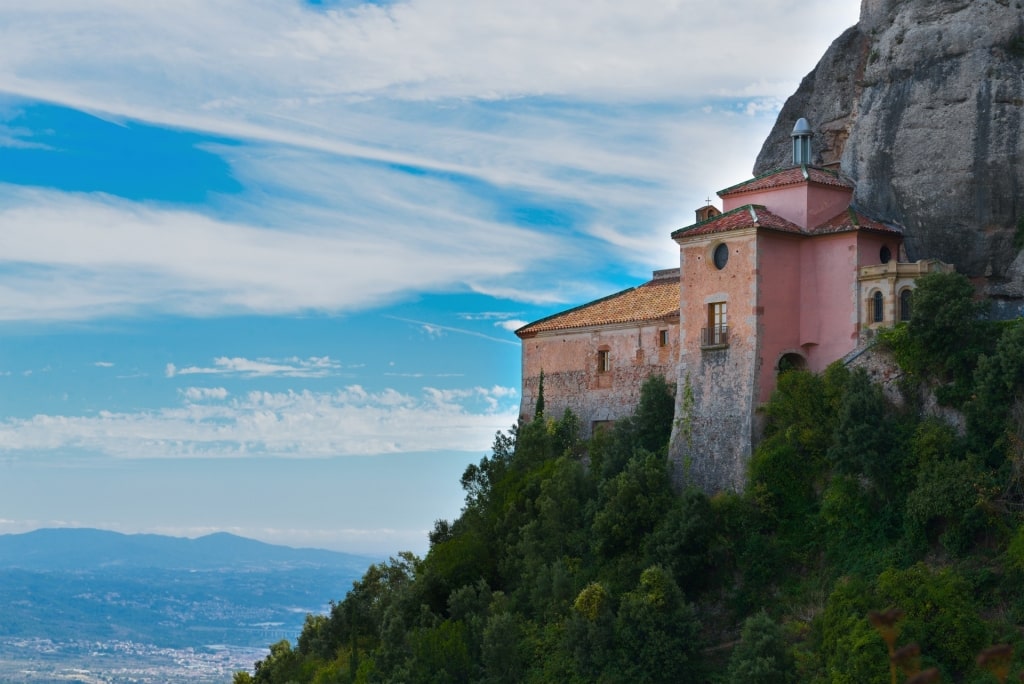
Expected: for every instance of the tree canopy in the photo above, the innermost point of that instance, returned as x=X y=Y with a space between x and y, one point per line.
x=576 y=561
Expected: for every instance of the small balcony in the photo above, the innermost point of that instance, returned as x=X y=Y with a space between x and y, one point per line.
x=716 y=337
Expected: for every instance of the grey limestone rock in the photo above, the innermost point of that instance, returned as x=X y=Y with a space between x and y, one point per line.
x=922 y=105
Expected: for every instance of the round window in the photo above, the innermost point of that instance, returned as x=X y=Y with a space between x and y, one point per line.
x=721 y=256
x=884 y=254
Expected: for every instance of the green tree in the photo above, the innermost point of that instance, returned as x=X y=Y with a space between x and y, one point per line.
x=282 y=664
x=657 y=632
x=681 y=541
x=761 y=657
x=999 y=382
x=945 y=335
x=630 y=506
x=648 y=429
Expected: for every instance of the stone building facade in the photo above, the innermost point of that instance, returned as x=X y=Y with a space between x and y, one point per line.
x=595 y=357
x=789 y=274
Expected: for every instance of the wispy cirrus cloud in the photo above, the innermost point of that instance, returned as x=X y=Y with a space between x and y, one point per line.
x=72 y=256
x=400 y=115
x=435 y=330
x=415 y=50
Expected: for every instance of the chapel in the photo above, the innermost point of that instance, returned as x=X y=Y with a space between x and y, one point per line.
x=788 y=274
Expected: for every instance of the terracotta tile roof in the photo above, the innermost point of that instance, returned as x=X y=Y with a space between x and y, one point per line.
x=747 y=216
x=851 y=219
x=654 y=300
x=783 y=177
x=756 y=216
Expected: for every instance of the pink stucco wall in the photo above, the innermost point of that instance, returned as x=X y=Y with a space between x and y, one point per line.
x=701 y=283
x=780 y=271
x=805 y=205
x=830 y=298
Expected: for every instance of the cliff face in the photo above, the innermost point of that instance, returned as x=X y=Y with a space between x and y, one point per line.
x=922 y=105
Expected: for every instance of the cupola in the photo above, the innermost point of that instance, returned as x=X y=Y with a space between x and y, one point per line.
x=708 y=211
x=802 y=143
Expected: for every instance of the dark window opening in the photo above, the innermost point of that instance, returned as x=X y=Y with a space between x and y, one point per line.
x=791 y=362
x=721 y=256
x=905 y=297
x=876 y=307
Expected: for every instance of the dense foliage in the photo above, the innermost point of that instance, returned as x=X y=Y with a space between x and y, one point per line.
x=577 y=561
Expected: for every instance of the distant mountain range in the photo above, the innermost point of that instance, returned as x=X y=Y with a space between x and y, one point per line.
x=81 y=586
x=91 y=549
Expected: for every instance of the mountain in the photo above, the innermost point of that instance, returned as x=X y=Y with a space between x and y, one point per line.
x=89 y=549
x=86 y=586
x=921 y=103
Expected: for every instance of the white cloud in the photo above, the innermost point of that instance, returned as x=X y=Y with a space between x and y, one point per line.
x=226 y=56
x=593 y=109
x=297 y=424
x=313 y=367
x=203 y=393
x=103 y=364
x=511 y=325
x=73 y=257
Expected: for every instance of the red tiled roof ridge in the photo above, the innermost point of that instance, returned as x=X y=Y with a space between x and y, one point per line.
x=853 y=219
x=746 y=216
x=635 y=313
x=791 y=175
x=712 y=219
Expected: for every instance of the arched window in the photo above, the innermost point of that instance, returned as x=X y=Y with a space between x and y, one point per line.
x=876 y=307
x=884 y=254
x=905 y=304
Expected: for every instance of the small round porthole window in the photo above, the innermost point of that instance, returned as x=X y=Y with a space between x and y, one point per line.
x=884 y=254
x=721 y=256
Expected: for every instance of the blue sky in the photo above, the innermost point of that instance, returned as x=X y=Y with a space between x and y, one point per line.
x=260 y=262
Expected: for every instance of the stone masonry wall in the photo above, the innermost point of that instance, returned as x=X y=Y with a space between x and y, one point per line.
x=572 y=379
x=711 y=438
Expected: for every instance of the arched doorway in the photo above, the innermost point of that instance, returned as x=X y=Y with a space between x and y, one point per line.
x=791 y=361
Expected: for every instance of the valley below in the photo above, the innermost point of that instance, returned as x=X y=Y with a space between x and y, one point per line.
x=106 y=609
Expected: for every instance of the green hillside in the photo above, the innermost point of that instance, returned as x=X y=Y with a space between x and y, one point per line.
x=577 y=561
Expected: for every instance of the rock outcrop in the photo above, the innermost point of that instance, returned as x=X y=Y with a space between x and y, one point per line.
x=922 y=105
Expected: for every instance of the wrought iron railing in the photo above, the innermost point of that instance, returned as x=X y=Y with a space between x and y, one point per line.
x=715 y=336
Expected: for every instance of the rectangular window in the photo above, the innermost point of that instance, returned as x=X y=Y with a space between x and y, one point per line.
x=604 y=361
x=717 y=332
x=663 y=338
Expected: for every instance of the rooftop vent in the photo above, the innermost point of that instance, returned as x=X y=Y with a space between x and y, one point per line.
x=802 y=143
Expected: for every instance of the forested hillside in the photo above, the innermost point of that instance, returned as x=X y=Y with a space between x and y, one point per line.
x=577 y=561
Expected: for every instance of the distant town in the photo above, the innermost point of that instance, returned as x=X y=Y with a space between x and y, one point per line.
x=43 y=661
